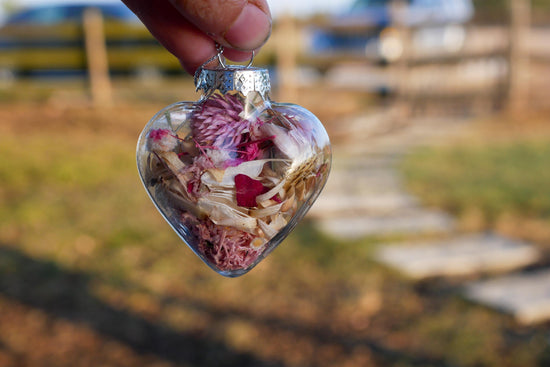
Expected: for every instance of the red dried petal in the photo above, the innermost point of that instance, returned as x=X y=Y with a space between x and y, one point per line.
x=247 y=189
x=277 y=199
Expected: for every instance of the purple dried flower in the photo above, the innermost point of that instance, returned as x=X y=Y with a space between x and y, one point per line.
x=218 y=124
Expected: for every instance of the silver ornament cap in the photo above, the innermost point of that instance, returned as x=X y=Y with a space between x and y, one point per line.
x=237 y=78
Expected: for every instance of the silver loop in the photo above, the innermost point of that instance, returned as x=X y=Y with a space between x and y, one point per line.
x=251 y=59
x=218 y=55
x=221 y=58
x=221 y=61
x=223 y=64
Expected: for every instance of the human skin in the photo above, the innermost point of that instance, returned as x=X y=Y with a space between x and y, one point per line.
x=190 y=29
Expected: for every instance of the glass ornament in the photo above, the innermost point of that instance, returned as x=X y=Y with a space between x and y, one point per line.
x=234 y=172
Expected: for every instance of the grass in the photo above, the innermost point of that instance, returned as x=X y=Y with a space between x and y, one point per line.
x=90 y=274
x=487 y=183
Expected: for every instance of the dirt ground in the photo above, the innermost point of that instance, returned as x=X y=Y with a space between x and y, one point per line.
x=122 y=296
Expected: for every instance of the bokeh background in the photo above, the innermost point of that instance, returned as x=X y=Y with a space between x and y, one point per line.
x=439 y=117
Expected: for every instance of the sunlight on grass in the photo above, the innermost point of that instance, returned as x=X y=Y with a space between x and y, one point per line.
x=78 y=200
x=495 y=180
x=77 y=228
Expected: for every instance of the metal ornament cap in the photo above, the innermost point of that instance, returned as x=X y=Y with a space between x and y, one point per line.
x=236 y=78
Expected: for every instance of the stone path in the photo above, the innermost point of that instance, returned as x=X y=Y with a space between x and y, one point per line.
x=458 y=255
x=524 y=295
x=365 y=197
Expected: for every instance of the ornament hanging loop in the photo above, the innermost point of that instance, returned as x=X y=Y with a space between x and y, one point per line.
x=251 y=59
x=221 y=58
x=221 y=62
x=218 y=56
x=224 y=78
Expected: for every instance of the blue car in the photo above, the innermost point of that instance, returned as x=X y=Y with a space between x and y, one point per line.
x=368 y=29
x=55 y=14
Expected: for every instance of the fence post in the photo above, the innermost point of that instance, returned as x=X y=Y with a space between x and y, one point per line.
x=518 y=56
x=286 y=53
x=401 y=67
x=96 y=56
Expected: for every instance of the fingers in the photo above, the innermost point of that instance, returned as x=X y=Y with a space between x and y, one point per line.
x=189 y=28
x=238 y=24
x=191 y=46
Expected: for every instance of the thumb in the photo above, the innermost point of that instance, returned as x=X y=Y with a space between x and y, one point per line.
x=239 y=24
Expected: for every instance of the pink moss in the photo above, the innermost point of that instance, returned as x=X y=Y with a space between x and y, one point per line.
x=162 y=140
x=226 y=248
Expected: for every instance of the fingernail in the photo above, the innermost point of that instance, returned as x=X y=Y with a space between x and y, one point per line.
x=250 y=30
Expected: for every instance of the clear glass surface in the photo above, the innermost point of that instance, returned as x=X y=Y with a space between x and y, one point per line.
x=233 y=174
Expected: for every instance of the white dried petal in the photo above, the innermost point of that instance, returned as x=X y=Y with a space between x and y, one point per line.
x=163 y=141
x=269 y=231
x=216 y=173
x=251 y=169
x=274 y=191
x=283 y=140
x=218 y=156
x=267 y=203
x=265 y=212
x=278 y=222
x=287 y=204
x=226 y=215
x=258 y=242
x=172 y=161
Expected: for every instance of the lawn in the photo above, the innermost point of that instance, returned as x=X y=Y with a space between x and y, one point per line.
x=90 y=275
x=497 y=179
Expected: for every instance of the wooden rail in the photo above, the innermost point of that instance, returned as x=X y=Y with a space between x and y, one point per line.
x=494 y=69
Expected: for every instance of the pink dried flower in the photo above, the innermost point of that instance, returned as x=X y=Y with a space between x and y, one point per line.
x=250 y=152
x=252 y=149
x=194 y=172
x=162 y=140
x=226 y=247
x=218 y=123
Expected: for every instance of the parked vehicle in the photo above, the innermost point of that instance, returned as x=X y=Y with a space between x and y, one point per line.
x=369 y=29
x=51 y=39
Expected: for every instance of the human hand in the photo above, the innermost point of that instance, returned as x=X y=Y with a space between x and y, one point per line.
x=189 y=29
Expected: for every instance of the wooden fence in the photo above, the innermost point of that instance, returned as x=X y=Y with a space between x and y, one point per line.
x=499 y=67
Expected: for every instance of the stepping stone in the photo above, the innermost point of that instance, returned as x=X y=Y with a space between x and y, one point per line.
x=390 y=147
x=415 y=221
x=332 y=204
x=365 y=163
x=464 y=255
x=365 y=125
x=526 y=296
x=380 y=180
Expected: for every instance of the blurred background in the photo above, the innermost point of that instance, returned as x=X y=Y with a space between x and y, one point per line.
x=429 y=246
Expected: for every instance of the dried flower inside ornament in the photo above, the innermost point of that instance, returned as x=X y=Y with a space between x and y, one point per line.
x=234 y=172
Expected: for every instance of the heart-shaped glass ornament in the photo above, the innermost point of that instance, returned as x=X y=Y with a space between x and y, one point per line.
x=234 y=172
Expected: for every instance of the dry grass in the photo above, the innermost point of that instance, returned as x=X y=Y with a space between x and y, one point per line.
x=495 y=177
